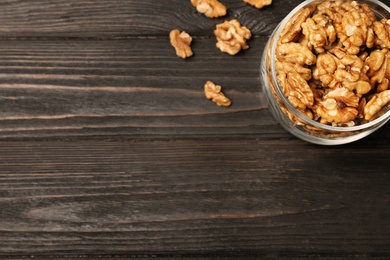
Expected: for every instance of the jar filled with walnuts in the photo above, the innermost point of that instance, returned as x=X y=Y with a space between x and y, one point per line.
x=326 y=70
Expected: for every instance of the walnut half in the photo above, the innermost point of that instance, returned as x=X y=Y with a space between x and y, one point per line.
x=214 y=92
x=231 y=37
x=258 y=3
x=181 y=41
x=210 y=8
x=376 y=104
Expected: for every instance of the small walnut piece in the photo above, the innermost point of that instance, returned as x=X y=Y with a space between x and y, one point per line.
x=210 y=8
x=231 y=37
x=214 y=92
x=181 y=41
x=259 y=3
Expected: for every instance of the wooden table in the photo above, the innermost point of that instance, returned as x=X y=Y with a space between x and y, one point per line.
x=109 y=147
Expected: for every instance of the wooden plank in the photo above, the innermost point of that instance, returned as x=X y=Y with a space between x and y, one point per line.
x=119 y=18
x=78 y=87
x=226 y=197
x=167 y=172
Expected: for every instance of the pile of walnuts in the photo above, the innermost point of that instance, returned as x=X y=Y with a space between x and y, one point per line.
x=231 y=39
x=333 y=63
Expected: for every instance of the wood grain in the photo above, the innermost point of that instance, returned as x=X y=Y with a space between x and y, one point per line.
x=64 y=87
x=108 y=19
x=109 y=149
x=227 y=196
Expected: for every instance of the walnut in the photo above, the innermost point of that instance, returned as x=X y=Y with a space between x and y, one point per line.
x=259 y=3
x=382 y=31
x=285 y=66
x=355 y=29
x=350 y=69
x=376 y=59
x=384 y=85
x=297 y=89
x=319 y=32
x=295 y=53
x=326 y=66
x=361 y=87
x=214 y=92
x=379 y=68
x=181 y=42
x=346 y=71
x=337 y=115
x=345 y=96
x=332 y=9
x=360 y=108
x=293 y=26
x=376 y=104
x=338 y=106
x=231 y=37
x=210 y=8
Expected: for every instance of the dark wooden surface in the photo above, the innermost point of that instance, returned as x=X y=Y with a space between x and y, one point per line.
x=108 y=147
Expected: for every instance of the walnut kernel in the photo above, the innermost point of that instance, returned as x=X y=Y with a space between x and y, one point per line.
x=382 y=31
x=355 y=29
x=210 y=8
x=214 y=92
x=258 y=3
x=293 y=26
x=231 y=37
x=181 y=41
x=376 y=103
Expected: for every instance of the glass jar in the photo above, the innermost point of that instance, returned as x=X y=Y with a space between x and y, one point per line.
x=296 y=122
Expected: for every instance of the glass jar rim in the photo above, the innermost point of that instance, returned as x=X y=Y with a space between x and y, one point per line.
x=284 y=99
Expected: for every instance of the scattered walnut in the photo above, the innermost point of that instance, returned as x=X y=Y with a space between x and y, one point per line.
x=259 y=3
x=231 y=37
x=181 y=42
x=210 y=8
x=214 y=92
